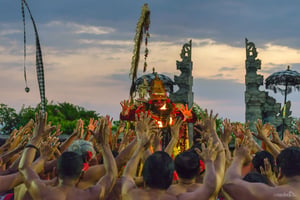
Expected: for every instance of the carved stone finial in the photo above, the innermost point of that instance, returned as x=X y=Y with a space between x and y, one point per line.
x=250 y=50
x=186 y=52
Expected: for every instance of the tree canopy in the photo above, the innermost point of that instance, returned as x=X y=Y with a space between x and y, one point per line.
x=65 y=114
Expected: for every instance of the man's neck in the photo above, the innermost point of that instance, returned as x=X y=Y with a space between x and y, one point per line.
x=67 y=182
x=187 y=181
x=155 y=189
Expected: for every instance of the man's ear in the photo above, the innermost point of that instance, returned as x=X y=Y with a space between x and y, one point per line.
x=55 y=172
x=275 y=170
x=279 y=176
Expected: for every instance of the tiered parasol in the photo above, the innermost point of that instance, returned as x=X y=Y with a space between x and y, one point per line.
x=284 y=82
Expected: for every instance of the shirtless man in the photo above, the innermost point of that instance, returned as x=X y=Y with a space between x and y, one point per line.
x=69 y=168
x=187 y=164
x=288 y=165
x=158 y=170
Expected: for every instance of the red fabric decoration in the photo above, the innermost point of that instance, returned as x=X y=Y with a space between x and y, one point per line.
x=9 y=196
x=175 y=176
x=90 y=155
x=85 y=167
x=202 y=166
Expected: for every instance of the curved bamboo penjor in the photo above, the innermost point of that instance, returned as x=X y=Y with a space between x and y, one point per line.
x=141 y=29
x=39 y=59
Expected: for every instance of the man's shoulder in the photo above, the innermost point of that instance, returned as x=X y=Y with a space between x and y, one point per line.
x=286 y=191
x=76 y=193
x=177 y=189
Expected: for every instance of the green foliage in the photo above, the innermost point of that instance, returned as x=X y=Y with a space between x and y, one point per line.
x=197 y=110
x=293 y=128
x=115 y=126
x=65 y=114
x=8 y=119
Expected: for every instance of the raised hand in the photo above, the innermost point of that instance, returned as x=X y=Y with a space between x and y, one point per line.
x=27 y=128
x=17 y=138
x=79 y=129
x=287 y=137
x=126 y=106
x=204 y=135
x=243 y=133
x=226 y=132
x=109 y=120
x=121 y=128
x=113 y=141
x=276 y=139
x=126 y=139
x=208 y=121
x=267 y=171
x=208 y=153
x=12 y=136
x=187 y=113
x=263 y=131
x=92 y=124
x=243 y=151
x=296 y=141
x=156 y=140
x=144 y=126
x=237 y=130
x=49 y=146
x=41 y=128
x=102 y=132
x=246 y=130
x=175 y=128
x=57 y=132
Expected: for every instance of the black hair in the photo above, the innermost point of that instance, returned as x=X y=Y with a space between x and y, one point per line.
x=69 y=165
x=187 y=164
x=198 y=146
x=158 y=170
x=289 y=161
x=258 y=160
x=255 y=177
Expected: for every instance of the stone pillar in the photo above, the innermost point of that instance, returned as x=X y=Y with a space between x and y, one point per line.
x=184 y=81
x=254 y=98
x=259 y=105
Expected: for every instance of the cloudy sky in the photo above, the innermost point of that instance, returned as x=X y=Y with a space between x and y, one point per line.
x=87 y=48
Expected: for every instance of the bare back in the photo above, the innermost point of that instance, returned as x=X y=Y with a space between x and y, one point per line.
x=180 y=188
x=149 y=194
x=66 y=193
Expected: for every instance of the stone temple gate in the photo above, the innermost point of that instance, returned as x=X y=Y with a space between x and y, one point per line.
x=259 y=105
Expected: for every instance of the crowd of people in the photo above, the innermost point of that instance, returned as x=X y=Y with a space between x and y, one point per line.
x=96 y=163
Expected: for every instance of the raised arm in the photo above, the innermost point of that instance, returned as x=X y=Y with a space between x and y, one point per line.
x=143 y=128
x=240 y=189
x=210 y=124
x=262 y=131
x=106 y=183
x=77 y=134
x=209 y=187
x=175 y=136
x=31 y=178
x=226 y=137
